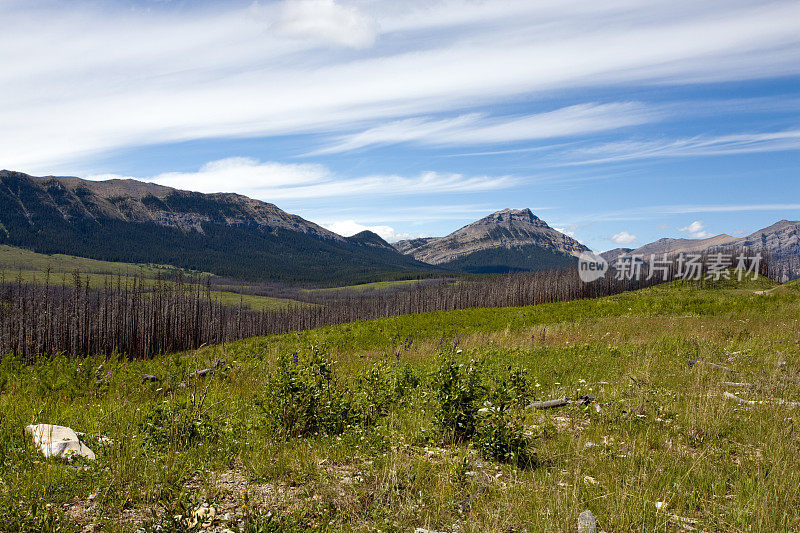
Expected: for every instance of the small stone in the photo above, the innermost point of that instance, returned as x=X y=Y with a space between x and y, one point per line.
x=149 y=378
x=203 y=516
x=199 y=373
x=586 y=399
x=587 y=523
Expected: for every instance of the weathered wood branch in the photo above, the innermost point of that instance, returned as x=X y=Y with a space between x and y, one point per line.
x=742 y=401
x=547 y=404
x=740 y=385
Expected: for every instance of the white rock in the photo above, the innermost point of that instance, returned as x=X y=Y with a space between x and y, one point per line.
x=587 y=523
x=202 y=516
x=58 y=441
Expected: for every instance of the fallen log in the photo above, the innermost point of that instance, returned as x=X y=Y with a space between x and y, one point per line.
x=735 y=398
x=715 y=365
x=547 y=404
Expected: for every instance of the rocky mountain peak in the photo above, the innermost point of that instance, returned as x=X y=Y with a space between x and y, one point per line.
x=508 y=229
x=510 y=217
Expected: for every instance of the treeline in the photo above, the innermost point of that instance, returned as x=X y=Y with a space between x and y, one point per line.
x=143 y=319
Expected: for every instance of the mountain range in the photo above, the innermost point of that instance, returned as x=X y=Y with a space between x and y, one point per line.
x=239 y=237
x=226 y=234
x=781 y=240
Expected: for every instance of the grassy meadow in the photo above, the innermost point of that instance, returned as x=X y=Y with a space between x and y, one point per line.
x=420 y=422
x=363 y=287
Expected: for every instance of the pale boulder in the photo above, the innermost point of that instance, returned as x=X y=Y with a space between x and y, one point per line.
x=58 y=441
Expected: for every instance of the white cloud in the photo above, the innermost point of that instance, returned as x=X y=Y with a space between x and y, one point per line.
x=327 y=21
x=475 y=129
x=244 y=174
x=623 y=237
x=272 y=181
x=656 y=211
x=404 y=213
x=694 y=227
x=136 y=77
x=351 y=227
x=696 y=230
x=743 y=143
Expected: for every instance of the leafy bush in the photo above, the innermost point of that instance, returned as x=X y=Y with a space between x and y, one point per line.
x=374 y=393
x=306 y=396
x=458 y=394
x=405 y=380
x=176 y=424
x=501 y=437
x=519 y=386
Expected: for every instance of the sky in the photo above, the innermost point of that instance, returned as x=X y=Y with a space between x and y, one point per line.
x=618 y=122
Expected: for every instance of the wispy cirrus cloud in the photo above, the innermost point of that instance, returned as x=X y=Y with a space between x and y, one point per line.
x=325 y=21
x=741 y=143
x=135 y=77
x=272 y=181
x=658 y=211
x=414 y=215
x=476 y=129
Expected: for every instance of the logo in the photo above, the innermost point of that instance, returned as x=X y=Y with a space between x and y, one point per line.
x=591 y=267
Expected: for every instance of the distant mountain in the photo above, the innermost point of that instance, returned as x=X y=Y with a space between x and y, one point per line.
x=227 y=234
x=780 y=240
x=508 y=240
x=410 y=245
x=369 y=238
x=611 y=255
x=662 y=246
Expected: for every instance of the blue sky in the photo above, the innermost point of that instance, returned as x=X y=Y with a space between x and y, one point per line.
x=619 y=122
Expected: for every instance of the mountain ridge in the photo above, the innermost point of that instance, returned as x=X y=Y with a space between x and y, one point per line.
x=223 y=233
x=781 y=240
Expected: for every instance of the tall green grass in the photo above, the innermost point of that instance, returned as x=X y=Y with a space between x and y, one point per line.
x=359 y=426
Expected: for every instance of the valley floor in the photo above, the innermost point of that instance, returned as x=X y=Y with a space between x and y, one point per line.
x=420 y=422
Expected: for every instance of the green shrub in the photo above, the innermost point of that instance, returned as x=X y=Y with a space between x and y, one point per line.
x=176 y=424
x=458 y=393
x=519 y=386
x=375 y=393
x=405 y=380
x=306 y=397
x=501 y=437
